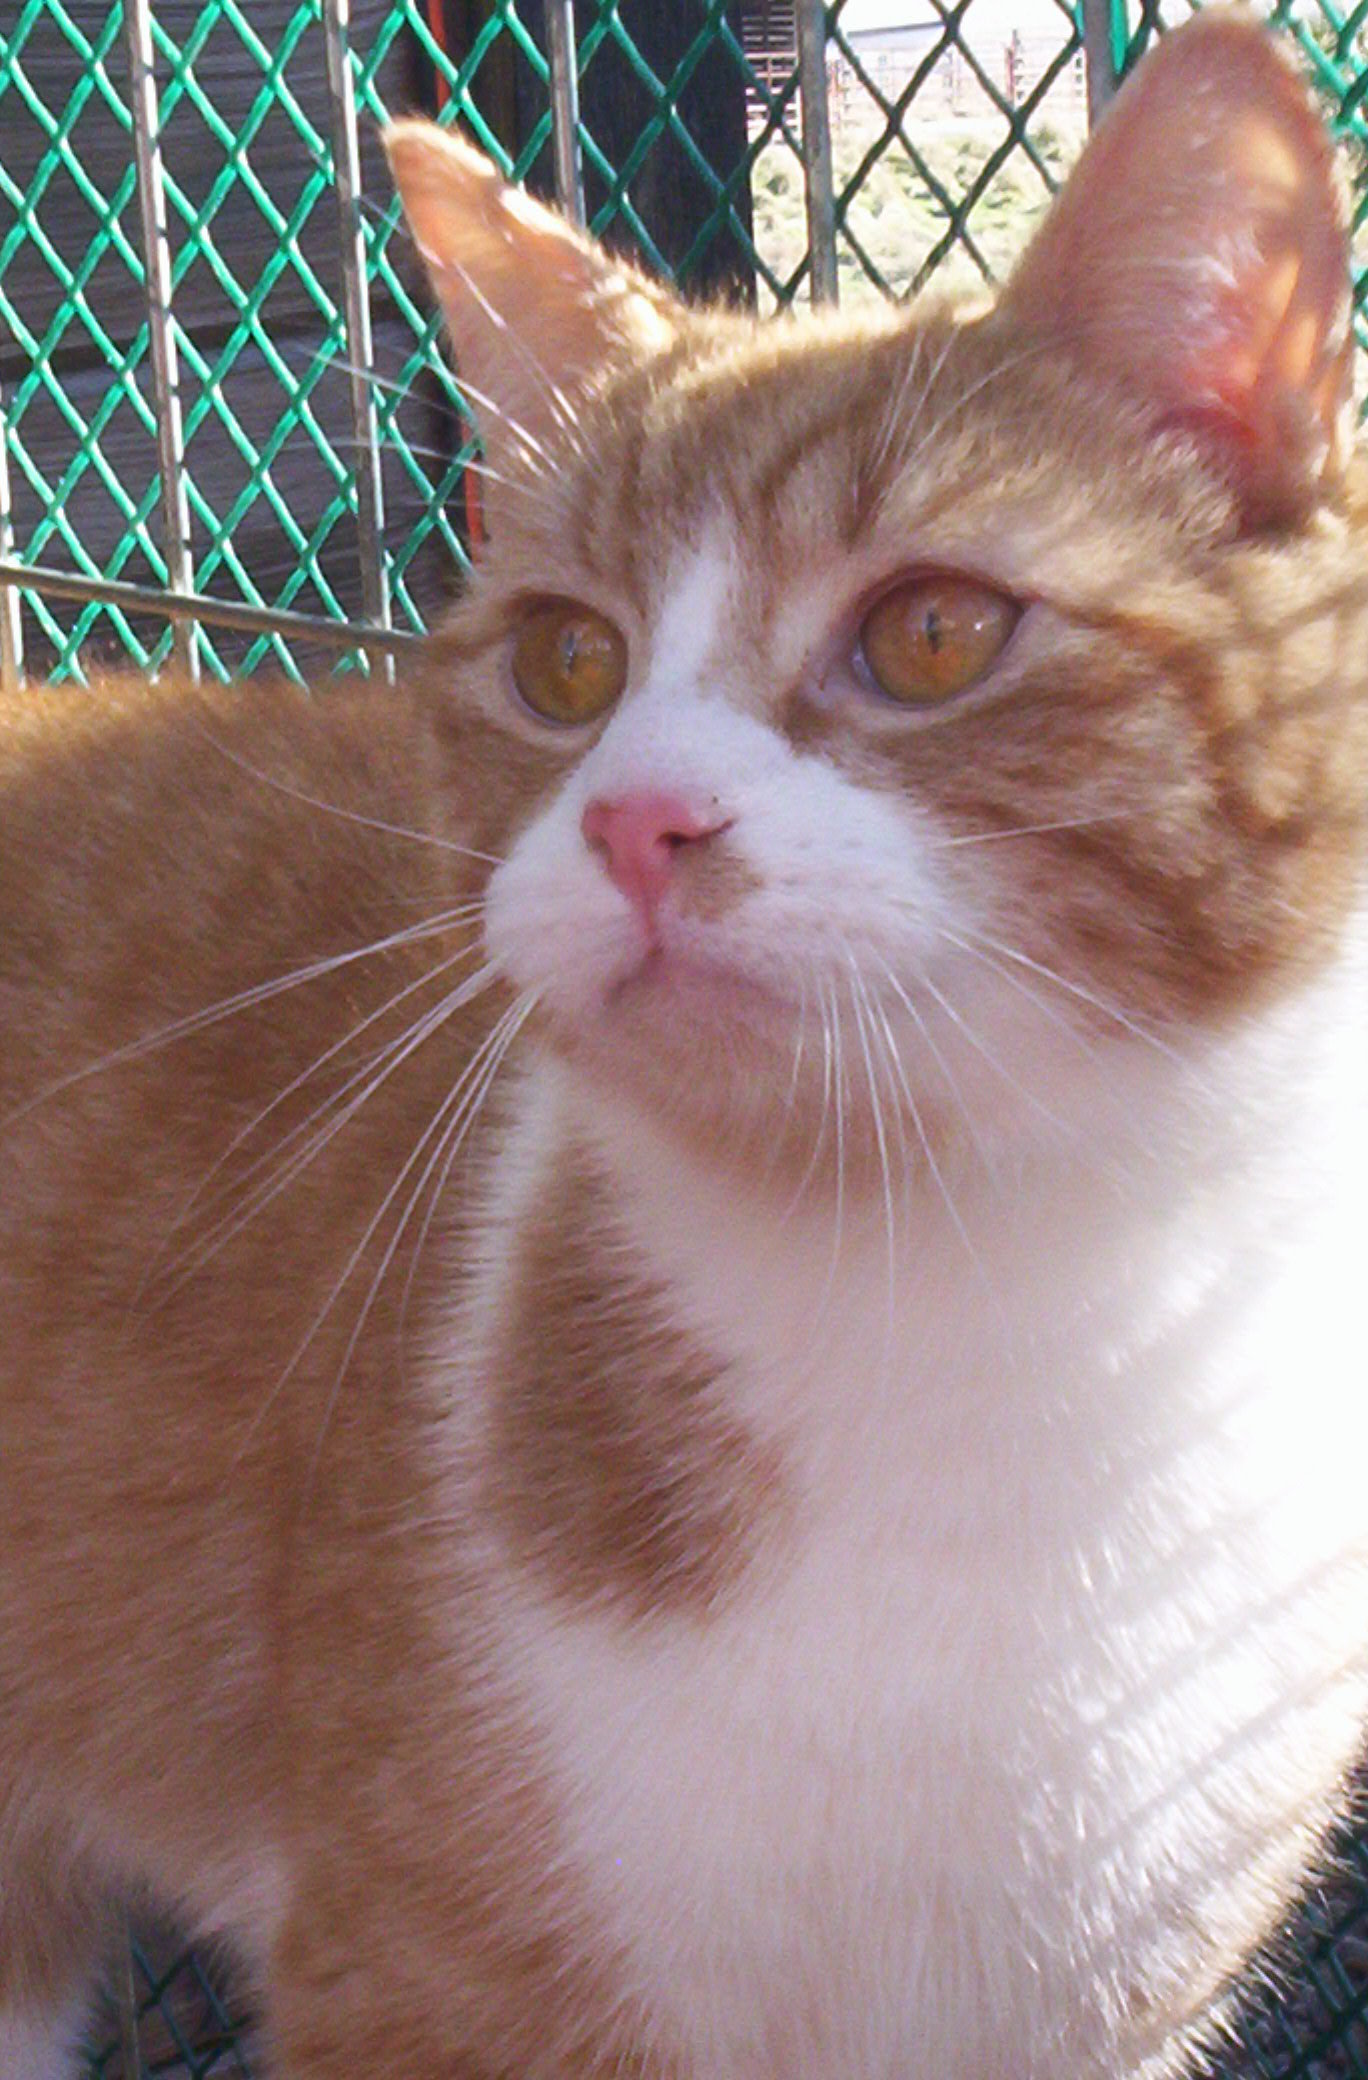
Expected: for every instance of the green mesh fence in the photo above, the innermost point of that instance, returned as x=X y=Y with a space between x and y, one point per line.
x=943 y=155
x=271 y=473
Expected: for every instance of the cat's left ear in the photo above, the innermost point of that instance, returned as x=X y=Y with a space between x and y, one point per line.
x=1200 y=253
x=536 y=311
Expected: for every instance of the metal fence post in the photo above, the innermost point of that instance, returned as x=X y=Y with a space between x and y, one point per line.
x=817 y=176
x=11 y=621
x=1105 y=38
x=370 y=494
x=156 y=245
x=565 y=142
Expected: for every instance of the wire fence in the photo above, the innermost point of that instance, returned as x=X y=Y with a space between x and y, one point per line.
x=227 y=429
x=220 y=385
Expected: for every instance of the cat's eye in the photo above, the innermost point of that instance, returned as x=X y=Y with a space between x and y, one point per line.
x=930 y=637
x=569 y=663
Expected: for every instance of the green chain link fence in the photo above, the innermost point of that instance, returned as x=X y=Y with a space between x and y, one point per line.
x=317 y=499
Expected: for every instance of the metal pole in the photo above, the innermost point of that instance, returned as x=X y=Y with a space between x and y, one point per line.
x=198 y=606
x=817 y=178
x=156 y=245
x=565 y=142
x=370 y=494
x=1103 y=52
x=11 y=621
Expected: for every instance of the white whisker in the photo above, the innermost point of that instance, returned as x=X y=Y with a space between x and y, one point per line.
x=466 y=1097
x=392 y=1057
x=561 y=407
x=536 y=457
x=1051 y=1013
x=1025 y=830
x=838 y=1217
x=320 y=1061
x=372 y=375
x=859 y=996
x=514 y=1019
x=798 y=1046
x=937 y=1175
x=938 y=1058
x=906 y=431
x=301 y=1348
x=1035 y=352
x=963 y=1026
x=459 y=414
x=1083 y=995
x=311 y=801
x=542 y=491
x=227 y=1007
x=893 y=417
x=819 y=1139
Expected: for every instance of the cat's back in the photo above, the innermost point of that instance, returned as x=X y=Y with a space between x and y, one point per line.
x=218 y=904
x=206 y=904
x=167 y=847
x=238 y=981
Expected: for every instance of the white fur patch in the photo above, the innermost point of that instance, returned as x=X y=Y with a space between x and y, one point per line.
x=1009 y=1757
x=696 y=605
x=1069 y=1645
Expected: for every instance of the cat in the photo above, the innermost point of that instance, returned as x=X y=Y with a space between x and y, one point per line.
x=683 y=1382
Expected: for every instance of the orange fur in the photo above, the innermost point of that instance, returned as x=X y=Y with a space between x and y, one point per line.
x=250 y=1537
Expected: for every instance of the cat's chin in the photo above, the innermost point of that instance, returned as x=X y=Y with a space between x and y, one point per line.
x=738 y=1072
x=694 y=1041
x=669 y=1016
x=666 y=983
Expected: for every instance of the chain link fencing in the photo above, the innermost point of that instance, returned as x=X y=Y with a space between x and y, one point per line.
x=222 y=392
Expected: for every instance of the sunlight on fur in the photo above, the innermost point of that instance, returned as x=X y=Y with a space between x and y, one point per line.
x=673 y=1295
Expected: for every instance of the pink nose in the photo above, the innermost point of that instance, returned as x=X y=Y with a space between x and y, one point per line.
x=637 y=838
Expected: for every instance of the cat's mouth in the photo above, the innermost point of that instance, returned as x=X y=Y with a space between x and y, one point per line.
x=693 y=977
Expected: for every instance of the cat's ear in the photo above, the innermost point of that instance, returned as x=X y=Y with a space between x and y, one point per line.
x=1199 y=252
x=536 y=311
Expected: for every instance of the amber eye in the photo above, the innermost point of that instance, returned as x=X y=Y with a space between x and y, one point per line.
x=931 y=637
x=569 y=664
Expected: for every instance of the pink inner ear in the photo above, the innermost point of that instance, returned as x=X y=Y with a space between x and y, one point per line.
x=1200 y=253
x=1223 y=376
x=1271 y=379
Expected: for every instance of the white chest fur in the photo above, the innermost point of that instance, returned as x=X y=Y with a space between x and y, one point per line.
x=998 y=1766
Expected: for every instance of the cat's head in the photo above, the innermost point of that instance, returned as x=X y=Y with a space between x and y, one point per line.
x=891 y=714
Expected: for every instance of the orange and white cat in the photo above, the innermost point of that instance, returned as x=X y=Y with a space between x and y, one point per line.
x=683 y=1387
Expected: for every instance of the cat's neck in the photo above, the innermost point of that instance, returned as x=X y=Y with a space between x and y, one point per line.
x=962 y=1276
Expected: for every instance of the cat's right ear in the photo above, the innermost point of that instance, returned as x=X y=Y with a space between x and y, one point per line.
x=1199 y=254
x=536 y=311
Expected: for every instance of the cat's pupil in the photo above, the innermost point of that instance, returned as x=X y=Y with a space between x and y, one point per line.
x=569 y=649
x=934 y=632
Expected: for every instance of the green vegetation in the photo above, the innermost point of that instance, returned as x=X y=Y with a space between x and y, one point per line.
x=896 y=215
